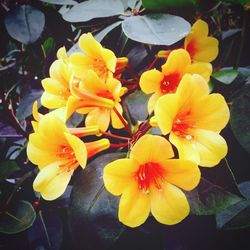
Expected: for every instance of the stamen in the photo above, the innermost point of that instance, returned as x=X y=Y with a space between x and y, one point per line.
x=170 y=83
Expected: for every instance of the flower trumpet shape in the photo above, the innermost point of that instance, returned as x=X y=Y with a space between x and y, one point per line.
x=57 y=86
x=149 y=181
x=98 y=99
x=200 y=46
x=58 y=152
x=194 y=119
x=166 y=81
x=103 y=61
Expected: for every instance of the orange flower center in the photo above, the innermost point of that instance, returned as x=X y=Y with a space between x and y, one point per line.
x=182 y=125
x=148 y=174
x=191 y=48
x=99 y=66
x=170 y=83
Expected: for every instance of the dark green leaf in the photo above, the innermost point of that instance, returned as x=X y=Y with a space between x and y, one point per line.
x=238 y=215
x=90 y=9
x=156 y=29
x=7 y=168
x=159 y=4
x=240 y=119
x=25 y=23
x=25 y=107
x=242 y=2
x=17 y=218
x=93 y=211
x=136 y=103
x=209 y=198
x=226 y=76
x=105 y=31
x=48 y=45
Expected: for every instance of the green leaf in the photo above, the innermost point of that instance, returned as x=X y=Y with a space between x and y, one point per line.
x=209 y=198
x=17 y=218
x=7 y=168
x=156 y=29
x=136 y=104
x=240 y=119
x=226 y=76
x=159 y=4
x=25 y=23
x=48 y=45
x=60 y=2
x=99 y=37
x=93 y=211
x=90 y=9
x=25 y=106
x=238 y=215
x=242 y=2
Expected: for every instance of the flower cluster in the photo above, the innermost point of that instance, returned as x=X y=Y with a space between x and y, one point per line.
x=152 y=177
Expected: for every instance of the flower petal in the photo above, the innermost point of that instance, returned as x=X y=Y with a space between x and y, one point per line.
x=152 y=101
x=109 y=59
x=51 y=182
x=202 y=68
x=118 y=174
x=151 y=148
x=52 y=101
x=116 y=122
x=182 y=173
x=89 y=45
x=134 y=206
x=169 y=205
x=150 y=81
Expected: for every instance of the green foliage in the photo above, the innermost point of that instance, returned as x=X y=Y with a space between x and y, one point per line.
x=156 y=29
x=17 y=218
x=7 y=168
x=226 y=76
x=159 y=4
x=25 y=23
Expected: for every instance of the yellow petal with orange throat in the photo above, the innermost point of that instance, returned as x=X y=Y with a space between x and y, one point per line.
x=155 y=149
x=150 y=81
x=119 y=174
x=134 y=206
x=51 y=182
x=169 y=206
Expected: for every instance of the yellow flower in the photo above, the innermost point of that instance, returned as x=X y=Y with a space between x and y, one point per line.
x=149 y=181
x=57 y=86
x=103 y=61
x=167 y=81
x=200 y=46
x=194 y=120
x=98 y=99
x=58 y=152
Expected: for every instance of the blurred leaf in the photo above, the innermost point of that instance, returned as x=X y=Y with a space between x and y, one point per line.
x=134 y=4
x=238 y=215
x=15 y=150
x=229 y=33
x=48 y=45
x=136 y=103
x=156 y=29
x=25 y=106
x=7 y=131
x=100 y=35
x=136 y=55
x=74 y=120
x=240 y=119
x=226 y=76
x=93 y=211
x=209 y=198
x=7 y=168
x=159 y=4
x=25 y=23
x=60 y=2
x=90 y=9
x=242 y=2
x=17 y=218
x=46 y=232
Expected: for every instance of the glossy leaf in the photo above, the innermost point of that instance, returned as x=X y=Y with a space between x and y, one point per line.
x=93 y=211
x=159 y=4
x=209 y=198
x=226 y=76
x=156 y=29
x=238 y=215
x=17 y=218
x=7 y=168
x=99 y=36
x=60 y=2
x=48 y=45
x=240 y=120
x=25 y=23
x=90 y=9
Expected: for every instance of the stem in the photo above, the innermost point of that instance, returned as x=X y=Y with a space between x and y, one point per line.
x=123 y=122
x=132 y=72
x=45 y=229
x=115 y=136
x=152 y=64
x=120 y=145
x=10 y=113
